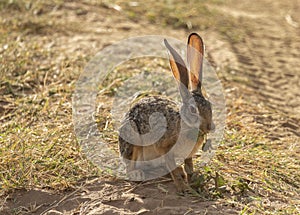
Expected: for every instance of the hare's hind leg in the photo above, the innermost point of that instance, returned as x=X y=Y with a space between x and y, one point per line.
x=133 y=172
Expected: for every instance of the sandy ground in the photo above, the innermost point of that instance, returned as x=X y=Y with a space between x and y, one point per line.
x=267 y=61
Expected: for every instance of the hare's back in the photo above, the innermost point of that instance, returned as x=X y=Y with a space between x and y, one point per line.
x=153 y=110
x=147 y=116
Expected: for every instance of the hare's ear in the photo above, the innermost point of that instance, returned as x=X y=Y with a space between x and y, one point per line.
x=195 y=51
x=179 y=70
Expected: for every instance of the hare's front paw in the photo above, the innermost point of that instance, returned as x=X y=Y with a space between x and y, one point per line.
x=184 y=188
x=136 y=175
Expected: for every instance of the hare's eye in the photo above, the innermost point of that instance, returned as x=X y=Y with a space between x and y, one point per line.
x=193 y=109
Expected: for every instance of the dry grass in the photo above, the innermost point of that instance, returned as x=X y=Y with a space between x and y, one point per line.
x=38 y=147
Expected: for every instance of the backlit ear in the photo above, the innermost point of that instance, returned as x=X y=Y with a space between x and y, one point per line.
x=179 y=70
x=195 y=52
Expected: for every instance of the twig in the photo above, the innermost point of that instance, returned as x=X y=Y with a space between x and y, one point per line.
x=55 y=203
x=147 y=183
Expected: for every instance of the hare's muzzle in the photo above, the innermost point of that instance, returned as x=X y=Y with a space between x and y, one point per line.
x=208 y=127
x=211 y=127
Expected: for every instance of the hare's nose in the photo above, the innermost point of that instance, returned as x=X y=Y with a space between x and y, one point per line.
x=211 y=127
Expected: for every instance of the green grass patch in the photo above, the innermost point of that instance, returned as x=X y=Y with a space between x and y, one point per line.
x=188 y=15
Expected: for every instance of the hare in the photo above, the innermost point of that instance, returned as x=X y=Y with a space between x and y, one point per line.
x=155 y=127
